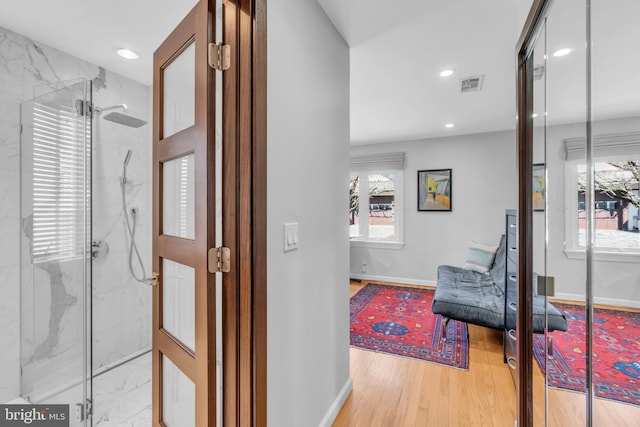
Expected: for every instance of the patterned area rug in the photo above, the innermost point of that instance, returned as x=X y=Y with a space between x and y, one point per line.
x=398 y=320
x=616 y=350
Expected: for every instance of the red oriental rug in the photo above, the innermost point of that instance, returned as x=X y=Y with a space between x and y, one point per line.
x=616 y=351
x=399 y=321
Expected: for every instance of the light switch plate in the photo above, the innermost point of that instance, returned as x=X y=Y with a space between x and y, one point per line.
x=290 y=236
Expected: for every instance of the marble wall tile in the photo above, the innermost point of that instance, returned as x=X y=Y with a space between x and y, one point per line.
x=121 y=306
x=10 y=321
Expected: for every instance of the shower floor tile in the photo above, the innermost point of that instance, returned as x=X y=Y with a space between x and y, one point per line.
x=122 y=396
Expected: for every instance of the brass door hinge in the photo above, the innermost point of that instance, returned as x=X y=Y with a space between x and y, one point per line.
x=219 y=56
x=219 y=260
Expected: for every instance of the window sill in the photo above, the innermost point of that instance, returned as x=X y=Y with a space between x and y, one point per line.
x=376 y=244
x=601 y=255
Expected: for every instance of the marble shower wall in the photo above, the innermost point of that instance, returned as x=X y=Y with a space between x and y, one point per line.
x=121 y=307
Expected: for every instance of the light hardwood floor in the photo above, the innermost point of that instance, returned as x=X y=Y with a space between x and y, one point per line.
x=392 y=391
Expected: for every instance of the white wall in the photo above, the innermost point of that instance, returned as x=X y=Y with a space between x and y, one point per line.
x=308 y=155
x=484 y=186
x=435 y=238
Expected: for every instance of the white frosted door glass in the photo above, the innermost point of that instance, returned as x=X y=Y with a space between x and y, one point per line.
x=178 y=197
x=179 y=93
x=178 y=301
x=178 y=397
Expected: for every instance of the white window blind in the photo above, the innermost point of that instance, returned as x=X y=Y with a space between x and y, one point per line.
x=617 y=145
x=377 y=162
x=60 y=185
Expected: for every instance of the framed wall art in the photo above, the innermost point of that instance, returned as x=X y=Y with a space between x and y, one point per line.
x=434 y=190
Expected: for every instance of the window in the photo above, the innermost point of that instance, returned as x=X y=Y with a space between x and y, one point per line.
x=60 y=190
x=617 y=195
x=375 y=200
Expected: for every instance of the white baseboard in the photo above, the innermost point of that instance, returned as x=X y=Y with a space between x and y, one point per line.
x=402 y=280
x=599 y=300
x=333 y=411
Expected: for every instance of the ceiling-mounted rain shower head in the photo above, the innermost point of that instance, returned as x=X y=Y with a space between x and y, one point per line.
x=125 y=119
x=120 y=118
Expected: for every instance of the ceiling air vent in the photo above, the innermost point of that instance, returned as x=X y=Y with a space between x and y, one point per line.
x=538 y=72
x=471 y=84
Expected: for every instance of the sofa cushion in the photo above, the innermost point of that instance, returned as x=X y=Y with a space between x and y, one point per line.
x=480 y=257
x=500 y=264
x=468 y=296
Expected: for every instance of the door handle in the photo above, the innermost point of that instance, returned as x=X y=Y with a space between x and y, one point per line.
x=155 y=279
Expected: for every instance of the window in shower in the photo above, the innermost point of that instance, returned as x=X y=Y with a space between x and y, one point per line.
x=59 y=184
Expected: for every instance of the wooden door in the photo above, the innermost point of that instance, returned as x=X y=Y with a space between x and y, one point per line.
x=184 y=302
x=187 y=108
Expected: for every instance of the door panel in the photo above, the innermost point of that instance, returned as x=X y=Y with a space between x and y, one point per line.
x=184 y=317
x=178 y=313
x=178 y=397
x=179 y=93
x=178 y=209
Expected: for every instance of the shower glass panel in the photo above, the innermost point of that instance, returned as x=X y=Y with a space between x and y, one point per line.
x=56 y=247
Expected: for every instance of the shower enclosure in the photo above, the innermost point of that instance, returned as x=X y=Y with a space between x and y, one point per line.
x=82 y=312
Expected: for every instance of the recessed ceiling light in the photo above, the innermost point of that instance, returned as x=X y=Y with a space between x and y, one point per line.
x=127 y=53
x=449 y=125
x=446 y=73
x=534 y=115
x=562 y=52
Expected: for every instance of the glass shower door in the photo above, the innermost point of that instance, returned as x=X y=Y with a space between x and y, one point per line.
x=56 y=248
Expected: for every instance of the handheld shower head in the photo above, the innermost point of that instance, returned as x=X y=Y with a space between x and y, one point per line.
x=124 y=166
x=128 y=157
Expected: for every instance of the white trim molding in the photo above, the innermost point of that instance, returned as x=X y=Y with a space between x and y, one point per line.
x=376 y=244
x=603 y=255
x=399 y=280
x=622 y=303
x=337 y=404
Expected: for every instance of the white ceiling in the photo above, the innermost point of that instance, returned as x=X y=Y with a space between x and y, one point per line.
x=397 y=51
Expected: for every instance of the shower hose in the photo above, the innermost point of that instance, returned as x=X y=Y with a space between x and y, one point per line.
x=133 y=248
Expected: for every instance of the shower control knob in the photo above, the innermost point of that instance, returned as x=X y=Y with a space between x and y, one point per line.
x=99 y=250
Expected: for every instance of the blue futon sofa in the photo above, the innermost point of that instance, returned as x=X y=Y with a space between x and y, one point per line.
x=479 y=298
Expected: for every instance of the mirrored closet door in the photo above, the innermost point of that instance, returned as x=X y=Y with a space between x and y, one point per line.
x=578 y=239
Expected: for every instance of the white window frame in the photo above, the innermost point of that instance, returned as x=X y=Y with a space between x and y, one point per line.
x=379 y=164
x=606 y=148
